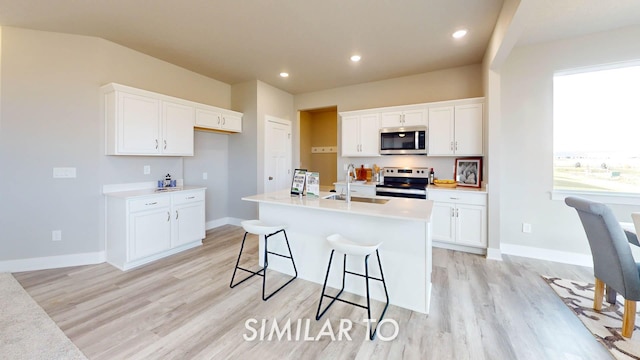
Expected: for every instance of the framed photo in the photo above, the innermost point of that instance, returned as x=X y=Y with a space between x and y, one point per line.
x=468 y=172
x=298 y=181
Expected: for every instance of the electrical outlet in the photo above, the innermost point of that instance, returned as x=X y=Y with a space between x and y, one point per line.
x=56 y=235
x=147 y=169
x=526 y=228
x=205 y=176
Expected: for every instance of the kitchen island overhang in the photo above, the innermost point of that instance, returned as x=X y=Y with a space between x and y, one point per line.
x=402 y=225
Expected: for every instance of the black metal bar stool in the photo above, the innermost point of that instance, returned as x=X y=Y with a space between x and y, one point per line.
x=347 y=247
x=257 y=227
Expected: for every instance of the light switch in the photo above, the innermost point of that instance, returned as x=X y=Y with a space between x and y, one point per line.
x=205 y=176
x=64 y=173
x=56 y=235
x=147 y=169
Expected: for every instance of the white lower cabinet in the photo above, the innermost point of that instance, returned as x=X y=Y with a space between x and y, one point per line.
x=459 y=217
x=142 y=229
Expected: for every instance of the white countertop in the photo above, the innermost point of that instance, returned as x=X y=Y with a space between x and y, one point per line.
x=356 y=183
x=396 y=208
x=457 y=188
x=151 y=191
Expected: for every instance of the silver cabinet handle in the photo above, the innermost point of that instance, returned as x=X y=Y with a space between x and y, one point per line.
x=456 y=145
x=156 y=144
x=176 y=214
x=151 y=203
x=452 y=198
x=168 y=216
x=165 y=144
x=451 y=146
x=224 y=120
x=190 y=197
x=451 y=212
x=456 y=212
x=270 y=177
x=218 y=119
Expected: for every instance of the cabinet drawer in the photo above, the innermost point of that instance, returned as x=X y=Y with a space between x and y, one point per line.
x=457 y=197
x=186 y=197
x=149 y=203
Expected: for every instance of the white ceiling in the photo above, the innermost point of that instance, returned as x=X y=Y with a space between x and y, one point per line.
x=240 y=40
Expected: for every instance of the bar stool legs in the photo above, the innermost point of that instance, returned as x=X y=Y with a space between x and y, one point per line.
x=263 y=271
x=372 y=329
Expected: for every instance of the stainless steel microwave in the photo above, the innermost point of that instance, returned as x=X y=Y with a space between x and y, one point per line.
x=403 y=141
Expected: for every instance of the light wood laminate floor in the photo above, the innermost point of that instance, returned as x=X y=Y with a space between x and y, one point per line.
x=182 y=307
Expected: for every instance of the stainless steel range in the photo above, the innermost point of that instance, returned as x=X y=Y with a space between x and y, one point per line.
x=404 y=182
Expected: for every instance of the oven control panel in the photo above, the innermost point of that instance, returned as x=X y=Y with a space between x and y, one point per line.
x=406 y=172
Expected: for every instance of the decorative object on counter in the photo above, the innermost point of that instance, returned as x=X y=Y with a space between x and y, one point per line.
x=361 y=174
x=468 y=171
x=167 y=182
x=297 y=184
x=313 y=184
x=432 y=176
x=448 y=183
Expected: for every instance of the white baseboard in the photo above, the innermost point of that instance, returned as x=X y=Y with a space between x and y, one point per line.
x=494 y=254
x=546 y=254
x=222 y=221
x=52 y=262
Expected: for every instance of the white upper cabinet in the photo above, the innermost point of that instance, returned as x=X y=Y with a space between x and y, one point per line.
x=177 y=129
x=212 y=118
x=360 y=135
x=403 y=116
x=455 y=130
x=140 y=122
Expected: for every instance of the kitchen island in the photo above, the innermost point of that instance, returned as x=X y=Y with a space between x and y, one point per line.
x=402 y=225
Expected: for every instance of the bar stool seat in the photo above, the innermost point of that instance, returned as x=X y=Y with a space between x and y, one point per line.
x=346 y=246
x=258 y=227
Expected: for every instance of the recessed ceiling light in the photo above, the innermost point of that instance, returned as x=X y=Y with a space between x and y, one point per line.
x=284 y=74
x=459 y=34
x=356 y=58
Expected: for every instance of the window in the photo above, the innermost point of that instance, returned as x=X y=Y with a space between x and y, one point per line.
x=596 y=130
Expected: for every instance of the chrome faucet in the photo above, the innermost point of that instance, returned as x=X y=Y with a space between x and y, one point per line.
x=350 y=170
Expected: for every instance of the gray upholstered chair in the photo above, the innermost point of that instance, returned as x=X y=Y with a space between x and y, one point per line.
x=613 y=263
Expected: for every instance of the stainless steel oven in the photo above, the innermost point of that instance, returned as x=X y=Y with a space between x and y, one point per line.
x=404 y=182
x=403 y=141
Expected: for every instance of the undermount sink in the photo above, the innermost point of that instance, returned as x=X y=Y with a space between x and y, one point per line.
x=343 y=197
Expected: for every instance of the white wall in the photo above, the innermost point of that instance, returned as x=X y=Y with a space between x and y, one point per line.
x=51 y=118
x=527 y=137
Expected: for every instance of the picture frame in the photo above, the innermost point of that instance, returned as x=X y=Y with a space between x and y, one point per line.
x=468 y=172
x=298 y=181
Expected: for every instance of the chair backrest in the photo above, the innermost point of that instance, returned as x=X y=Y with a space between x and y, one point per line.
x=612 y=259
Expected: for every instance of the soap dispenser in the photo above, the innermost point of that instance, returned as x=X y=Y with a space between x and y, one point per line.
x=167 y=180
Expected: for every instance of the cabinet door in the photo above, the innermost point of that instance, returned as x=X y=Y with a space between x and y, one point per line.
x=468 y=129
x=208 y=119
x=138 y=125
x=149 y=233
x=414 y=118
x=188 y=223
x=178 y=121
x=471 y=228
x=441 y=131
x=231 y=123
x=369 y=134
x=391 y=119
x=350 y=135
x=443 y=222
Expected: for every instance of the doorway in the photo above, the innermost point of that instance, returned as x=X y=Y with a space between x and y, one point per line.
x=319 y=144
x=278 y=151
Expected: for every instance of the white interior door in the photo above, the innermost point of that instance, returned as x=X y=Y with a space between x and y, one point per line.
x=277 y=154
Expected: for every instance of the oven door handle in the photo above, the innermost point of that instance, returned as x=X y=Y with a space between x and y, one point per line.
x=401 y=191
